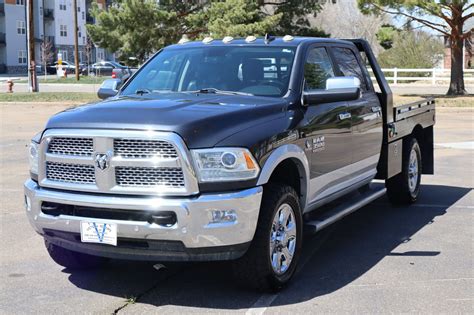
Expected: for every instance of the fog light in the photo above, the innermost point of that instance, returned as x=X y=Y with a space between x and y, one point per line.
x=27 y=203
x=223 y=216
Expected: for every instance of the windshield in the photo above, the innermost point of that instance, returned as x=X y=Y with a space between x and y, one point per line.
x=261 y=71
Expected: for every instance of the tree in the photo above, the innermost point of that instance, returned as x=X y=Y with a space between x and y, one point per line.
x=137 y=28
x=446 y=17
x=238 y=18
x=296 y=16
x=88 y=51
x=386 y=35
x=351 y=23
x=47 y=53
x=412 y=49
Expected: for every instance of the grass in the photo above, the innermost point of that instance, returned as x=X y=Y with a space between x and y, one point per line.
x=71 y=79
x=79 y=97
x=441 y=100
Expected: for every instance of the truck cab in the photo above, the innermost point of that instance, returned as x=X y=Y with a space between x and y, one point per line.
x=225 y=150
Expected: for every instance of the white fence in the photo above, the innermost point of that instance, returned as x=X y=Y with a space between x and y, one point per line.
x=433 y=75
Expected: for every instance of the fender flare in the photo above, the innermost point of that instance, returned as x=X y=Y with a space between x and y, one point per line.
x=282 y=153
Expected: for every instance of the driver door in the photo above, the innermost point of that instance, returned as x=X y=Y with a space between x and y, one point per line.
x=327 y=130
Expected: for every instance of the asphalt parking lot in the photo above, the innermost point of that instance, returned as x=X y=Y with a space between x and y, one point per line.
x=381 y=259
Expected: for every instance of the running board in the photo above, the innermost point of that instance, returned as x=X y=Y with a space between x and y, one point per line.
x=344 y=209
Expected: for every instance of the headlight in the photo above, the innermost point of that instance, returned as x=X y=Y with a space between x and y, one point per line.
x=33 y=153
x=225 y=164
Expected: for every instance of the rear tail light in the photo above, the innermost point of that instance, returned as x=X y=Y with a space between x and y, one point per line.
x=114 y=76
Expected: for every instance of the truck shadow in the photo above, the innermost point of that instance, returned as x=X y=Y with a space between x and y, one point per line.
x=331 y=260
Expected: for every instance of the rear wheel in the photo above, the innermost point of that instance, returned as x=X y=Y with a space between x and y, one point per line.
x=271 y=259
x=73 y=260
x=404 y=188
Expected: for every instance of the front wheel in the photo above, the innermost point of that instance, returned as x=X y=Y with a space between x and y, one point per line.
x=271 y=259
x=404 y=188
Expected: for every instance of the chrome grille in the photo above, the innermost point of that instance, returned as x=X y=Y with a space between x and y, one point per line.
x=71 y=146
x=70 y=173
x=143 y=149
x=137 y=162
x=149 y=176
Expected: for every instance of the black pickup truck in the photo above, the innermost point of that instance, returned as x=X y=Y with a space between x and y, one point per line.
x=226 y=150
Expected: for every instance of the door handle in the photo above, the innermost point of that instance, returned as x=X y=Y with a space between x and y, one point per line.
x=345 y=115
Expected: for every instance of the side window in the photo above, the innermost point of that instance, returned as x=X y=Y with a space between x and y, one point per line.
x=347 y=63
x=317 y=69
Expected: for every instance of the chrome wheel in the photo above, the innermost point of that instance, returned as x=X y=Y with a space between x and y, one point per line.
x=283 y=239
x=413 y=171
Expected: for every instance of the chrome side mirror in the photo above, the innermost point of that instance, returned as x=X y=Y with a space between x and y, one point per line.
x=338 y=89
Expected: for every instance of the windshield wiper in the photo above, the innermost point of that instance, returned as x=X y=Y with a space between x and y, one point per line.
x=217 y=91
x=142 y=91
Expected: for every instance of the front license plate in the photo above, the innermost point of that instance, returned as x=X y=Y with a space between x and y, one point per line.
x=95 y=232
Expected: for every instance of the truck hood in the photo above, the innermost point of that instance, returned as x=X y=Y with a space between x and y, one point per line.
x=202 y=120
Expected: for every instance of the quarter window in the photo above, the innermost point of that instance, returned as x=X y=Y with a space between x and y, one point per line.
x=21 y=27
x=349 y=66
x=318 y=68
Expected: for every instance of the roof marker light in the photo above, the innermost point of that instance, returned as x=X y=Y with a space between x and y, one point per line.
x=288 y=38
x=250 y=39
x=184 y=39
x=207 y=40
x=227 y=39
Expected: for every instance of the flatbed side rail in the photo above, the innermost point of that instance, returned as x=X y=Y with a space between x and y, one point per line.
x=412 y=109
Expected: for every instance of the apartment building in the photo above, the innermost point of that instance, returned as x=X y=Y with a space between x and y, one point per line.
x=54 y=23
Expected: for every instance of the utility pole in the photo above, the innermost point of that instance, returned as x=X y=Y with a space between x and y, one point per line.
x=32 y=79
x=76 y=44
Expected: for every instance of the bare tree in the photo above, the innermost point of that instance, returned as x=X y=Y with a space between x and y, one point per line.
x=47 y=53
x=88 y=51
x=351 y=23
x=447 y=17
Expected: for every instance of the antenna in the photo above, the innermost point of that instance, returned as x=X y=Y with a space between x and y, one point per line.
x=268 y=38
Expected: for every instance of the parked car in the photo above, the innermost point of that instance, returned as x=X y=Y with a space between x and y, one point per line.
x=105 y=68
x=226 y=150
x=67 y=66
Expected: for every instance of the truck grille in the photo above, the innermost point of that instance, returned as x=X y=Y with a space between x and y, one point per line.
x=143 y=149
x=116 y=162
x=70 y=173
x=71 y=146
x=149 y=177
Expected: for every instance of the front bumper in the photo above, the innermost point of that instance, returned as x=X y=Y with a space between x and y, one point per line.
x=192 y=237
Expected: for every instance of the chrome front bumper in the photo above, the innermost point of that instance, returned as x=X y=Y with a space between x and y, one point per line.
x=193 y=227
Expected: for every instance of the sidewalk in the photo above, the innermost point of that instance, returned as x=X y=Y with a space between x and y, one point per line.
x=53 y=87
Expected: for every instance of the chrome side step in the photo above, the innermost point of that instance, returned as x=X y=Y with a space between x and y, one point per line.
x=329 y=217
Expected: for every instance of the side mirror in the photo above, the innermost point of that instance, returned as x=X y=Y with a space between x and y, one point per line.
x=339 y=89
x=109 y=88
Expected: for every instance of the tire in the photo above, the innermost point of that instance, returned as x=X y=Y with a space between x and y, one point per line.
x=404 y=188
x=255 y=268
x=73 y=260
